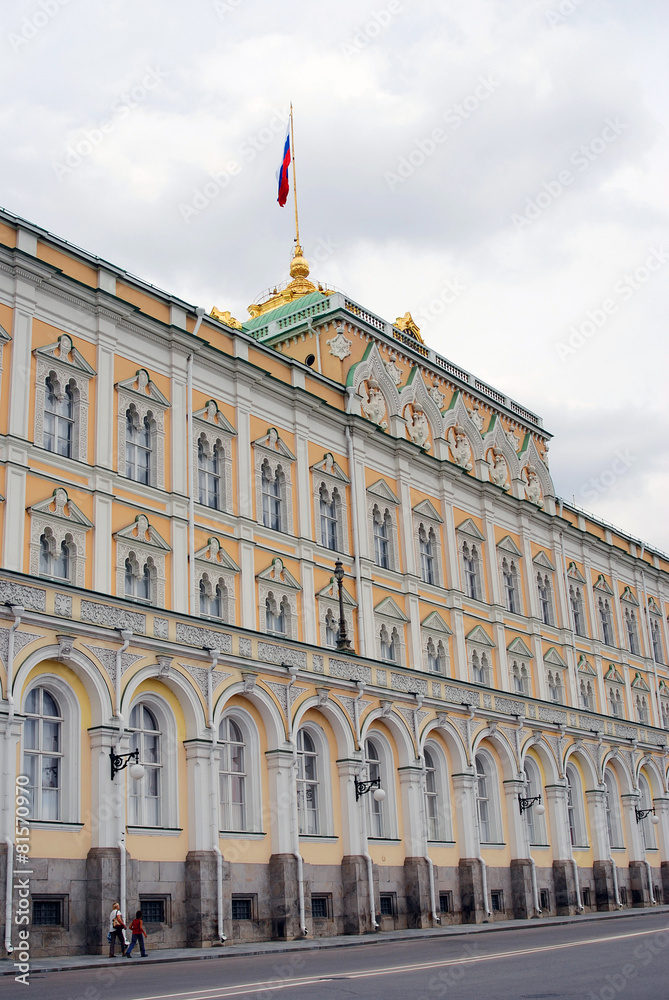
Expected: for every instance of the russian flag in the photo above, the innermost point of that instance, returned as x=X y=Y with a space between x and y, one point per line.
x=282 y=175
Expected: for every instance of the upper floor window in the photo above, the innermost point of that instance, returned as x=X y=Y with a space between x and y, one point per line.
x=146 y=794
x=138 y=578
x=271 y=498
x=328 y=514
x=232 y=776
x=544 y=593
x=632 y=632
x=58 y=418
x=642 y=709
x=615 y=702
x=470 y=562
x=43 y=754
x=331 y=629
x=276 y=613
x=664 y=705
x=520 y=678
x=308 y=780
x=436 y=656
x=213 y=598
x=510 y=583
x=138 y=446
x=390 y=644
x=587 y=695
x=480 y=668
x=427 y=541
x=656 y=638
x=606 y=621
x=382 y=529
x=577 y=609
x=209 y=474
x=54 y=559
x=555 y=686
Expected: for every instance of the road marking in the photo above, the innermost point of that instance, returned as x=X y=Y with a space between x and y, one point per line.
x=223 y=992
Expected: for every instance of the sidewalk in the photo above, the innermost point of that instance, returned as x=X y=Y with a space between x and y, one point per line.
x=68 y=963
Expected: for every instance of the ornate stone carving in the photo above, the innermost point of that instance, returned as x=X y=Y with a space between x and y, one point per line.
x=281 y=693
x=245 y=647
x=513 y=439
x=382 y=677
x=404 y=682
x=436 y=689
x=249 y=681
x=461 y=451
x=436 y=396
x=533 y=490
x=509 y=706
x=350 y=671
x=21 y=639
x=107 y=658
x=22 y=596
x=112 y=617
x=323 y=696
x=200 y=675
x=164 y=665
x=204 y=638
x=161 y=628
x=317 y=664
x=339 y=346
x=62 y=605
x=409 y=714
x=374 y=405
x=552 y=715
x=386 y=709
x=394 y=371
x=477 y=417
x=499 y=472
x=418 y=427
x=270 y=653
x=349 y=705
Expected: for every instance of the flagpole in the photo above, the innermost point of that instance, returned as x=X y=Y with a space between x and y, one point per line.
x=298 y=248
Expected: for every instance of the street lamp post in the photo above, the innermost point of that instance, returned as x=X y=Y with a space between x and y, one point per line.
x=343 y=642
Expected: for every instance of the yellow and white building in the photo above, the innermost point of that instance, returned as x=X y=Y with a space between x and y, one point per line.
x=176 y=489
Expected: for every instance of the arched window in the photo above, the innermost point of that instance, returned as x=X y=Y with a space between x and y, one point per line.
x=554 y=680
x=209 y=474
x=486 y=800
x=575 y=813
x=616 y=703
x=146 y=794
x=479 y=667
x=331 y=630
x=54 y=559
x=138 y=447
x=308 y=803
x=139 y=578
x=470 y=561
x=510 y=581
x=647 y=827
x=376 y=811
x=328 y=511
x=656 y=638
x=436 y=656
x=213 y=599
x=272 y=501
x=665 y=713
x=436 y=794
x=276 y=614
x=632 y=631
x=536 y=825
x=545 y=598
x=43 y=754
x=232 y=776
x=58 y=419
x=381 y=538
x=390 y=645
x=577 y=612
x=613 y=824
x=606 y=621
x=520 y=678
x=587 y=695
x=642 y=709
x=428 y=546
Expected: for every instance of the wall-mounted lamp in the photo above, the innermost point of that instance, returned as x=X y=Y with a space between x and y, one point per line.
x=120 y=761
x=528 y=803
x=642 y=813
x=362 y=787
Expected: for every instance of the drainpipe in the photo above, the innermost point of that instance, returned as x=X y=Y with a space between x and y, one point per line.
x=126 y=636
x=295 y=824
x=436 y=918
x=484 y=883
x=190 y=465
x=615 y=881
x=17 y=611
x=213 y=803
x=577 y=883
x=356 y=713
x=535 y=891
x=356 y=543
x=370 y=868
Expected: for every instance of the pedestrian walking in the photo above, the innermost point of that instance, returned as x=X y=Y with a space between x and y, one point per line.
x=138 y=934
x=116 y=928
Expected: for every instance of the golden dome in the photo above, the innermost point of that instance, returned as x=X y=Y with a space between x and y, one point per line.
x=299 y=267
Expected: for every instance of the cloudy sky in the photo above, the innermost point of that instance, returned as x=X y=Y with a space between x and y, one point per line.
x=497 y=167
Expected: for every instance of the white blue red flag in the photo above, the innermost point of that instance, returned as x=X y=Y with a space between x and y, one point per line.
x=282 y=175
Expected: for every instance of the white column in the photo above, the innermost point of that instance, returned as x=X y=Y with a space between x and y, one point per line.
x=106 y=416
x=517 y=824
x=308 y=596
x=102 y=543
x=247 y=584
x=107 y=796
x=662 y=828
x=178 y=428
x=281 y=797
x=179 y=559
x=412 y=811
x=15 y=514
x=20 y=377
x=352 y=819
x=556 y=808
x=636 y=850
x=596 y=800
x=464 y=800
x=199 y=785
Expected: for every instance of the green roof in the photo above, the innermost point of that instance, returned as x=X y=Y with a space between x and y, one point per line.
x=285 y=310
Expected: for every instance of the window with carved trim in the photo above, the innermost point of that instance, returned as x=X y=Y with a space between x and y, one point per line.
x=138 y=445
x=209 y=473
x=606 y=621
x=632 y=631
x=59 y=406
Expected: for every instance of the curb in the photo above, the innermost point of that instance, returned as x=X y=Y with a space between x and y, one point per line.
x=321 y=944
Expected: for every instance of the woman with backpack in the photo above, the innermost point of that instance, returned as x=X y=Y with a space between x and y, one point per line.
x=138 y=934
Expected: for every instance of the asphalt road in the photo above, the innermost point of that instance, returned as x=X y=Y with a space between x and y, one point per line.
x=612 y=960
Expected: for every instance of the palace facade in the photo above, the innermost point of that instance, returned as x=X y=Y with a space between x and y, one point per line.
x=178 y=490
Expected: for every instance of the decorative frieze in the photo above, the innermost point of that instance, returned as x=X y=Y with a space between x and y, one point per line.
x=25 y=597
x=408 y=683
x=204 y=638
x=21 y=639
x=270 y=653
x=113 y=617
x=161 y=628
x=62 y=605
x=348 y=670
